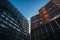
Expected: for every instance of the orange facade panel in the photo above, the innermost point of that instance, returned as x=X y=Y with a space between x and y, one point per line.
x=45 y=15
x=56 y=2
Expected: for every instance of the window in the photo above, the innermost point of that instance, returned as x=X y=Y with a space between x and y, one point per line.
x=12 y=19
x=34 y=24
x=57 y=1
x=2 y=25
x=53 y=10
x=5 y=21
x=37 y=17
x=3 y=16
x=6 y=18
x=10 y=25
x=14 y=27
x=32 y=19
x=4 y=13
x=12 y=22
x=0 y=19
x=25 y=33
x=18 y=29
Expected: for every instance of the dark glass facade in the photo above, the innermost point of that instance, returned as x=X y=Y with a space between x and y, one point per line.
x=13 y=25
x=35 y=20
x=57 y=1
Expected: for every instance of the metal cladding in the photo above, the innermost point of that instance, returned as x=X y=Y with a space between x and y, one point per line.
x=35 y=20
x=56 y=2
x=48 y=24
x=48 y=10
x=45 y=15
x=13 y=25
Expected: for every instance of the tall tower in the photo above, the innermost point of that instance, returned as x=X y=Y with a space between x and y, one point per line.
x=13 y=25
x=48 y=24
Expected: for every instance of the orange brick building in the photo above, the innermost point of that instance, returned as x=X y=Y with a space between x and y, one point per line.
x=46 y=24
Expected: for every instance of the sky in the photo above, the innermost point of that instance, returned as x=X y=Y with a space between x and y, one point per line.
x=29 y=8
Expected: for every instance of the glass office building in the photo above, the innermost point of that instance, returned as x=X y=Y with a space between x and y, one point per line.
x=13 y=25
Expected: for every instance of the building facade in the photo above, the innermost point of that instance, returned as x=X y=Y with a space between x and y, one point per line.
x=13 y=25
x=47 y=26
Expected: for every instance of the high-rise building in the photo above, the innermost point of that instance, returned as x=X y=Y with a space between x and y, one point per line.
x=35 y=21
x=13 y=25
x=47 y=25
